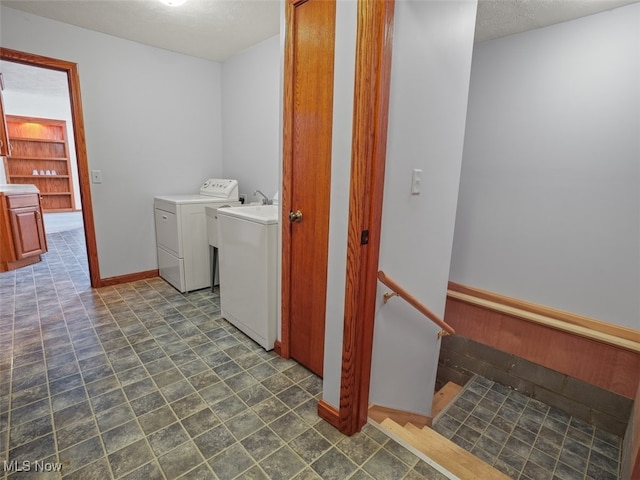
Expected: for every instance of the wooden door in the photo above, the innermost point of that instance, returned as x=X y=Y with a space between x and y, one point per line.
x=307 y=174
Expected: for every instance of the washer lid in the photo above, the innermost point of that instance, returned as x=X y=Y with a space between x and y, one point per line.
x=189 y=199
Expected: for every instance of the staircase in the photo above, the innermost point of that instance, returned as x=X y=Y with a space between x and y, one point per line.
x=415 y=430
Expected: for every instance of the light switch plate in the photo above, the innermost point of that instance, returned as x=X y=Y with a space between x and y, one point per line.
x=416 y=181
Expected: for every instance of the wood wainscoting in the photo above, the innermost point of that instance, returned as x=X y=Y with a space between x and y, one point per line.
x=595 y=352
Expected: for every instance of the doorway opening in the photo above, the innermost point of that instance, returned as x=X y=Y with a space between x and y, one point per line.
x=56 y=84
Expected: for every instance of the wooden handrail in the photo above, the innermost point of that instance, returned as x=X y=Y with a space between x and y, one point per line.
x=411 y=300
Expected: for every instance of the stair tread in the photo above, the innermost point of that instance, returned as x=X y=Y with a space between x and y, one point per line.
x=444 y=452
x=443 y=396
x=379 y=413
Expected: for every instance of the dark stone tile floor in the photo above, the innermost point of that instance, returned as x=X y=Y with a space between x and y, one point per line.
x=526 y=439
x=139 y=381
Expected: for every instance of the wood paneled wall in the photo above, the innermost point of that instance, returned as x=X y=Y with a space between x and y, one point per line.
x=607 y=366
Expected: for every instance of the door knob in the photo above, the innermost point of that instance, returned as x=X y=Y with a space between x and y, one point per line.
x=295 y=216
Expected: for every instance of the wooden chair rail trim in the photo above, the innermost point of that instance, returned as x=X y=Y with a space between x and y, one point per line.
x=596 y=330
x=411 y=300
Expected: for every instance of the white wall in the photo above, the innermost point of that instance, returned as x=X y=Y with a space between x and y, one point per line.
x=549 y=207
x=252 y=126
x=432 y=47
x=343 y=90
x=251 y=130
x=47 y=106
x=153 y=126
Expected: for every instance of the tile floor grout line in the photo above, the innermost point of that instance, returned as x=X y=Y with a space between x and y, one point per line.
x=100 y=434
x=180 y=421
x=10 y=396
x=46 y=370
x=509 y=433
x=84 y=387
x=128 y=402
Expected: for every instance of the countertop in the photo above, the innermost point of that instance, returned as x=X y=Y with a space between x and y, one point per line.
x=17 y=189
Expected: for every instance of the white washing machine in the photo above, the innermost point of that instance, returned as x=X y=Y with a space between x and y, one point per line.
x=181 y=233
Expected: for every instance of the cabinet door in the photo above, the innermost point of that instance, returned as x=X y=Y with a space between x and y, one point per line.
x=28 y=232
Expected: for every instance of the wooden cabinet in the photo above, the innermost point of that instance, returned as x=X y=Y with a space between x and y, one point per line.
x=40 y=156
x=21 y=229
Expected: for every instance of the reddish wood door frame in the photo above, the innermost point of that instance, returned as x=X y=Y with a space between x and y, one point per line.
x=71 y=69
x=369 y=147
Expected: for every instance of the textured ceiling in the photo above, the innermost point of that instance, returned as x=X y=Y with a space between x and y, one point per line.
x=219 y=29
x=210 y=29
x=498 y=18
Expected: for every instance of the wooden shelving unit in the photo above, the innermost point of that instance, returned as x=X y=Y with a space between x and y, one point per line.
x=40 y=156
